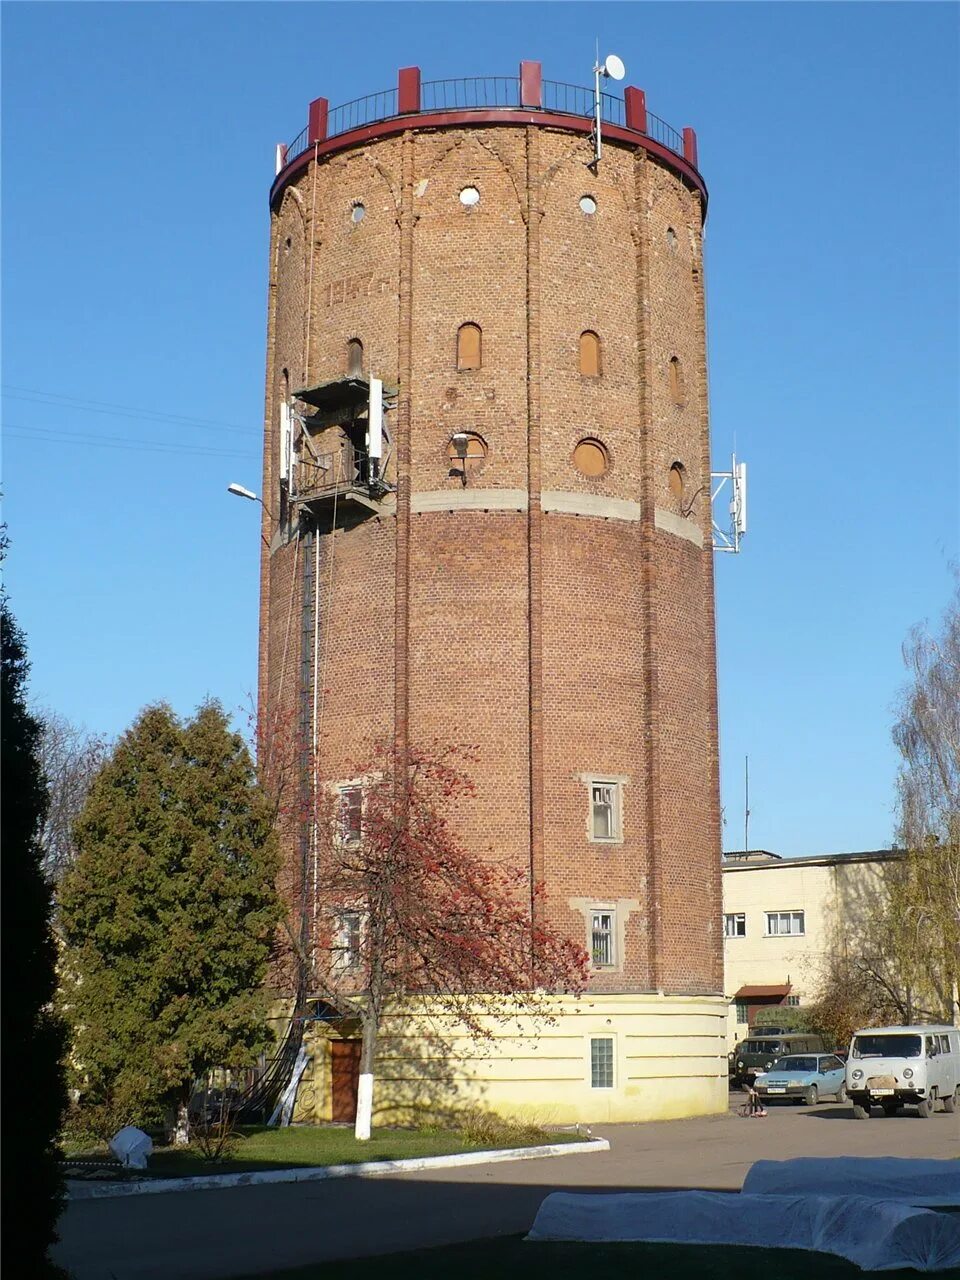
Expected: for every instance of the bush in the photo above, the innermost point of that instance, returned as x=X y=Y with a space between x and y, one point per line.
x=486 y=1128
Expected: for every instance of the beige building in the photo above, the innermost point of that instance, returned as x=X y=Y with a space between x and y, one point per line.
x=783 y=917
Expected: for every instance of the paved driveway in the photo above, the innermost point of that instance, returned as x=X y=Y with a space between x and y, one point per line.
x=206 y=1235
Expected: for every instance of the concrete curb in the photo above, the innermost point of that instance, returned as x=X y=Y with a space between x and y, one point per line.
x=78 y=1189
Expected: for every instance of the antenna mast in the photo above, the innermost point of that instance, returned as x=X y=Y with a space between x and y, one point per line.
x=613 y=69
x=746 y=804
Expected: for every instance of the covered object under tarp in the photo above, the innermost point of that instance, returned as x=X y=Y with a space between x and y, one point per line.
x=916 y=1182
x=876 y=1235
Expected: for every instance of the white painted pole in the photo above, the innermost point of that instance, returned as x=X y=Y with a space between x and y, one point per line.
x=364 y=1107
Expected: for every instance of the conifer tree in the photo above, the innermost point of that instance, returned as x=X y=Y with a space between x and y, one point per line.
x=168 y=917
x=34 y=1092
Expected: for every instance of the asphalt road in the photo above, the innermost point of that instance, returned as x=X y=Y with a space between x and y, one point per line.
x=212 y=1235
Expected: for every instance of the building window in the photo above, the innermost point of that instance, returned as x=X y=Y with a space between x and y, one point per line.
x=355 y=358
x=590 y=459
x=735 y=925
x=671 y=239
x=468 y=347
x=346 y=940
x=677 y=480
x=785 y=924
x=589 y=354
x=357 y=212
x=349 y=814
x=676 y=381
x=792 y=1001
x=469 y=197
x=605 y=811
x=603 y=949
x=742 y=1011
x=466 y=453
x=601 y=1062
x=588 y=205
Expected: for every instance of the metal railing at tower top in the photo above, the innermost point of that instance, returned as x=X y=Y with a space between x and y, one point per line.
x=488 y=93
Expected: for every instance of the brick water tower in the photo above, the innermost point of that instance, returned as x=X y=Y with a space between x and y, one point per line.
x=508 y=542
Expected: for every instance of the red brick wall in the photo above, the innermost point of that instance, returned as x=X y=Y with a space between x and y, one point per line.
x=561 y=644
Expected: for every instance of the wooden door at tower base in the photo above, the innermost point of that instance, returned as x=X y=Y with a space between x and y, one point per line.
x=344 y=1079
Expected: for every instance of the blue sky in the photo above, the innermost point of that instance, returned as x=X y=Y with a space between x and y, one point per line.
x=137 y=155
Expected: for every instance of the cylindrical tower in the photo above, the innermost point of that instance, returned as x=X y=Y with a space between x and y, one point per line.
x=528 y=566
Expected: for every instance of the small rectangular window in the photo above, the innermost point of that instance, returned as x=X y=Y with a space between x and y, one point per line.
x=793 y=1001
x=601 y=1062
x=785 y=924
x=743 y=1011
x=602 y=939
x=350 y=814
x=346 y=940
x=605 y=811
x=735 y=924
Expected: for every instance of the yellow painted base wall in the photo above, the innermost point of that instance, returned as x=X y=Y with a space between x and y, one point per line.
x=669 y=1062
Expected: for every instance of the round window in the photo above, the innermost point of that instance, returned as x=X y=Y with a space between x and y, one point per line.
x=469 y=196
x=590 y=458
x=588 y=205
x=358 y=212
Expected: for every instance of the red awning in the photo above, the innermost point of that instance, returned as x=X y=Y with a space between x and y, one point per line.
x=752 y=993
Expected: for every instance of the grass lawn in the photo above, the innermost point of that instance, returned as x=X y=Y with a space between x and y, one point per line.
x=300 y=1146
x=510 y=1256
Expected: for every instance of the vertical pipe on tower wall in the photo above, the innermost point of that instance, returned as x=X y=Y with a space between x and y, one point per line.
x=534 y=514
x=714 y=834
x=648 y=579
x=404 y=427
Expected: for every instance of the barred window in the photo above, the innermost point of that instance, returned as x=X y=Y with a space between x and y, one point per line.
x=602 y=939
x=346 y=940
x=350 y=814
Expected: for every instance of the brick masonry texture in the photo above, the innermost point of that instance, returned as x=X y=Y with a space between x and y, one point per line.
x=562 y=645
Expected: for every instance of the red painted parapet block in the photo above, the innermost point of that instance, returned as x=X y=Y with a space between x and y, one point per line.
x=635 y=102
x=531 y=84
x=408 y=91
x=317 y=120
x=690 y=145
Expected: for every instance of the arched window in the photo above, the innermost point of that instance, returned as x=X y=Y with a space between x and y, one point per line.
x=677 y=480
x=468 y=347
x=355 y=357
x=676 y=381
x=590 y=355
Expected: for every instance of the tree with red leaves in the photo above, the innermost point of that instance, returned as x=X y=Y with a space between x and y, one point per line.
x=403 y=914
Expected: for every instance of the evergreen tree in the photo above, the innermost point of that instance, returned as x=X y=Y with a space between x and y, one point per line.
x=34 y=1092
x=168 y=917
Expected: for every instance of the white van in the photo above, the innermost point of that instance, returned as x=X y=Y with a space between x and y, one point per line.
x=889 y=1067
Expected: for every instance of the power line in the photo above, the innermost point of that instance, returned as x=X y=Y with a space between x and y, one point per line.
x=32 y=395
x=51 y=435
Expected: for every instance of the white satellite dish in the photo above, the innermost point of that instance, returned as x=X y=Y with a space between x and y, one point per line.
x=613 y=67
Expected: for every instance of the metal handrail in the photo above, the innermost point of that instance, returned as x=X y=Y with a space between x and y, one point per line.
x=470 y=91
x=367 y=110
x=485 y=92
